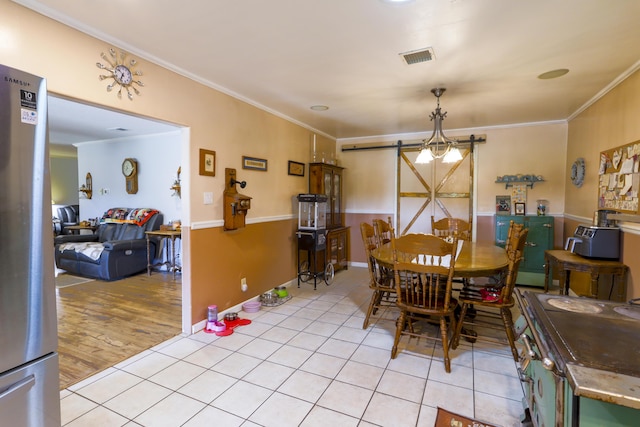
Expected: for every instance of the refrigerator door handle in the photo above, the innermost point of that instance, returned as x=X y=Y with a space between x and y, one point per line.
x=28 y=381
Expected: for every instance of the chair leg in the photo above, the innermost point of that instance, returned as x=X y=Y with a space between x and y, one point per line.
x=455 y=340
x=372 y=304
x=507 y=319
x=445 y=343
x=381 y=295
x=399 y=327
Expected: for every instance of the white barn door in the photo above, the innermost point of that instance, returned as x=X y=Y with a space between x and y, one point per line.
x=437 y=188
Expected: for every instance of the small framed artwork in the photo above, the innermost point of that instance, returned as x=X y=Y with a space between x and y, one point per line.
x=519 y=208
x=253 y=163
x=207 y=162
x=503 y=205
x=295 y=168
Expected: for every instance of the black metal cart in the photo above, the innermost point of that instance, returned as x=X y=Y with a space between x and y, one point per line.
x=312 y=239
x=312 y=264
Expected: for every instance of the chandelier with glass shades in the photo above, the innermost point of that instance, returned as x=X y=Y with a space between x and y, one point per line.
x=438 y=146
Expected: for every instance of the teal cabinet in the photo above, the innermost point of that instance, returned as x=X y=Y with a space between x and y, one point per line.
x=539 y=239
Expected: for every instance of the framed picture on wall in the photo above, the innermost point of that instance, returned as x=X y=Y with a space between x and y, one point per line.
x=254 y=163
x=295 y=168
x=503 y=205
x=519 y=208
x=207 y=162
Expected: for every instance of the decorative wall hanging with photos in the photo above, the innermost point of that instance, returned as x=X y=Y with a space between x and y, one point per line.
x=619 y=178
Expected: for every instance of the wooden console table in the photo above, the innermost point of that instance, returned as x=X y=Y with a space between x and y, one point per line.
x=171 y=258
x=567 y=262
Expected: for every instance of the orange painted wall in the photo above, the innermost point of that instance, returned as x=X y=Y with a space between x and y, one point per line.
x=610 y=122
x=264 y=253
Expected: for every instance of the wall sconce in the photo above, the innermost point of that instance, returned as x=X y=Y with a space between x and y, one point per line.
x=176 y=185
x=87 y=187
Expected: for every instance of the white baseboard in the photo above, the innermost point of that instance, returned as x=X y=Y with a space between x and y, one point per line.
x=197 y=327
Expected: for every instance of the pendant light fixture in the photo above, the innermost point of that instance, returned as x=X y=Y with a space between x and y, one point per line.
x=438 y=146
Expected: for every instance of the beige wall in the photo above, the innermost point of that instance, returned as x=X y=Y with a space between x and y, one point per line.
x=610 y=122
x=370 y=175
x=67 y=58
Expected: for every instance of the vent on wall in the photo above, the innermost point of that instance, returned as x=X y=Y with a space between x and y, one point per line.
x=418 y=56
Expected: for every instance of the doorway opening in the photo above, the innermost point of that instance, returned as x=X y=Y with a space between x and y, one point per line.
x=97 y=140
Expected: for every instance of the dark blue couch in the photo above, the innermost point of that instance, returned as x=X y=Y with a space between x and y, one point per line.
x=116 y=250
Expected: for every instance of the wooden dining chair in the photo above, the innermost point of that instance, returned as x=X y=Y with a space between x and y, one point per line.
x=493 y=302
x=423 y=273
x=447 y=227
x=380 y=277
x=513 y=235
x=383 y=230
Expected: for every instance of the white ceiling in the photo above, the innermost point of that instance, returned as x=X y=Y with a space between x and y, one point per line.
x=287 y=55
x=71 y=122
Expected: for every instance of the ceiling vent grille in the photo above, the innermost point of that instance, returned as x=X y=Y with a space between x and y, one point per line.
x=418 y=56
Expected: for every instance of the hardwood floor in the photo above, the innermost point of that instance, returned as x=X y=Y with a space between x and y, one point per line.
x=103 y=323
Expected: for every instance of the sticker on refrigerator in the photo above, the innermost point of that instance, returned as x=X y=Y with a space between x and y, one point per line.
x=28 y=116
x=27 y=99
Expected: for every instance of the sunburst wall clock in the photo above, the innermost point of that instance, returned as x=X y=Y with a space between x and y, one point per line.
x=122 y=71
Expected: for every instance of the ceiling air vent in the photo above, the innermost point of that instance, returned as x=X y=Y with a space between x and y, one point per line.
x=418 y=56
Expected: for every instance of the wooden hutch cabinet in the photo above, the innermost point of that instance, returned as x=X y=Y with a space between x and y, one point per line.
x=327 y=179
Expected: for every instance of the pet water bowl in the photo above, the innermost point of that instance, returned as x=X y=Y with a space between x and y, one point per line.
x=251 y=306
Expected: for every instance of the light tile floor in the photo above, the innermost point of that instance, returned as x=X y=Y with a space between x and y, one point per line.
x=307 y=362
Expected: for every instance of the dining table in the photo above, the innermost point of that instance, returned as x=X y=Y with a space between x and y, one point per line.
x=476 y=259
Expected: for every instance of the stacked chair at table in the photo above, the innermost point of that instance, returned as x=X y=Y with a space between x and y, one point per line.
x=380 y=277
x=423 y=274
x=493 y=302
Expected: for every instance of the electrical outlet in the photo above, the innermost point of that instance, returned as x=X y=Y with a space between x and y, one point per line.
x=243 y=284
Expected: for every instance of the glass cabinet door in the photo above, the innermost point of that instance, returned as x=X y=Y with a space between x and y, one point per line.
x=337 y=197
x=328 y=185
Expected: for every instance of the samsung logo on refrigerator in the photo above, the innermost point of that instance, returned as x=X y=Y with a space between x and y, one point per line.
x=16 y=81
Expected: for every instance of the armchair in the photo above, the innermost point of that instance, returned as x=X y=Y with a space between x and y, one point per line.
x=68 y=215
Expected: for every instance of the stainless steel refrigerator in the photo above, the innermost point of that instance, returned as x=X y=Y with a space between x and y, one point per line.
x=29 y=379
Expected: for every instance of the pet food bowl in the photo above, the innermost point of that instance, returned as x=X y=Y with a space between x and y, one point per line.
x=231 y=316
x=269 y=298
x=281 y=291
x=251 y=306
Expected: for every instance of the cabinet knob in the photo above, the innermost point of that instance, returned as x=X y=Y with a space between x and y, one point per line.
x=547 y=225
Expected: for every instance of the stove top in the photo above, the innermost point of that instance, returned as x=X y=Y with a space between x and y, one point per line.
x=592 y=333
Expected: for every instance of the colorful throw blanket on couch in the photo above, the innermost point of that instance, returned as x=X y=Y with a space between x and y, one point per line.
x=137 y=216
x=92 y=250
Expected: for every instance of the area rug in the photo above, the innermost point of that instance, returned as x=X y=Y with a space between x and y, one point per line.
x=65 y=280
x=449 y=419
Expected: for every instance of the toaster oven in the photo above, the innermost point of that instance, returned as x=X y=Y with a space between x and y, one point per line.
x=595 y=242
